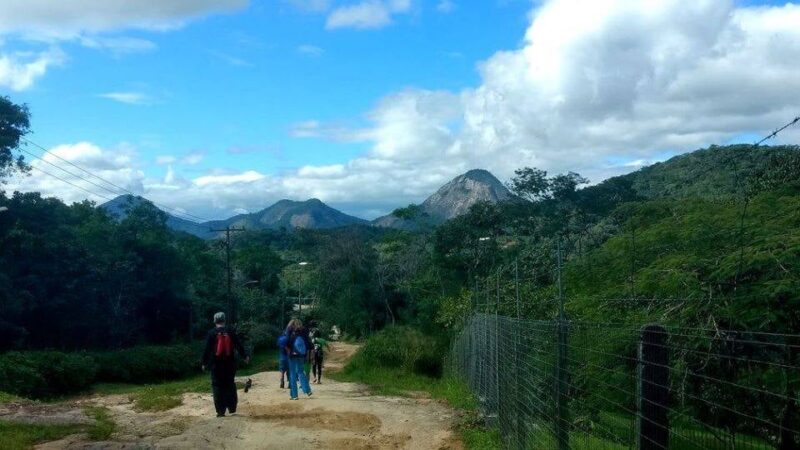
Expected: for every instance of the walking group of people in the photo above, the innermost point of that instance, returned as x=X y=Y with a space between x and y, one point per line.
x=298 y=350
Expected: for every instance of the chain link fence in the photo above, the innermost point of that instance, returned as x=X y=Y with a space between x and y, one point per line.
x=572 y=385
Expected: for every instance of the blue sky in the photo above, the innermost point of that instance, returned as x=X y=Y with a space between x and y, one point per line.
x=240 y=80
x=223 y=106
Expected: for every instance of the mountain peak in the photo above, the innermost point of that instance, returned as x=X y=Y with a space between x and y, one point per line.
x=456 y=197
x=481 y=175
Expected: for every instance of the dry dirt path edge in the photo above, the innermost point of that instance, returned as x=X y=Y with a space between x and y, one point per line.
x=338 y=416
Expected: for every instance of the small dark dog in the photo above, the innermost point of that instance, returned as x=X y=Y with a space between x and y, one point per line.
x=247 y=385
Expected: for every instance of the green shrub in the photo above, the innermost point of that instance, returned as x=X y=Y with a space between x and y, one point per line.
x=147 y=364
x=401 y=348
x=45 y=374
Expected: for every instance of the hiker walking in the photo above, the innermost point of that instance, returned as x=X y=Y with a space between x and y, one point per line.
x=320 y=345
x=297 y=348
x=219 y=356
x=283 y=357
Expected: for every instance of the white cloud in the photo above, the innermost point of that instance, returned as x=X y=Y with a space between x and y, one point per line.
x=310 y=50
x=193 y=158
x=368 y=14
x=162 y=160
x=335 y=170
x=592 y=82
x=19 y=70
x=310 y=5
x=42 y=19
x=119 y=45
x=232 y=60
x=229 y=179
x=116 y=165
x=334 y=132
x=445 y=6
x=128 y=97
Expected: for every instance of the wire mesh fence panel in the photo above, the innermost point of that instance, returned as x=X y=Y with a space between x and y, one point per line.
x=574 y=385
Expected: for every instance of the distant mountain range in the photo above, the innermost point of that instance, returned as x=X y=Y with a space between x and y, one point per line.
x=284 y=214
x=712 y=172
x=451 y=200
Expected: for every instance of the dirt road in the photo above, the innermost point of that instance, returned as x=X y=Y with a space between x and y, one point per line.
x=337 y=416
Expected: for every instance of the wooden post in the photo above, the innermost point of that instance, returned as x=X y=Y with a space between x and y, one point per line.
x=652 y=420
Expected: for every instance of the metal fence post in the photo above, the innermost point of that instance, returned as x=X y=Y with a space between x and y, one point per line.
x=562 y=412
x=519 y=421
x=497 y=369
x=652 y=421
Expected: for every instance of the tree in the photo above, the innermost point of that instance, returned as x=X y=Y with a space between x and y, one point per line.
x=564 y=186
x=410 y=212
x=531 y=184
x=14 y=124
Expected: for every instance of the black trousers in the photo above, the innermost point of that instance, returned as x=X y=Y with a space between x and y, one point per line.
x=224 y=387
x=316 y=368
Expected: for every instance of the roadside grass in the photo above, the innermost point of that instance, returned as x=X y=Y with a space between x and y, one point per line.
x=168 y=395
x=400 y=383
x=9 y=398
x=400 y=361
x=103 y=426
x=23 y=436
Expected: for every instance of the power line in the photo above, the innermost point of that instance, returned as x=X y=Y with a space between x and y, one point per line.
x=176 y=212
x=68 y=172
x=70 y=183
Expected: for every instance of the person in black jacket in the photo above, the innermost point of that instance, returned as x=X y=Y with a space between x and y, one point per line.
x=219 y=356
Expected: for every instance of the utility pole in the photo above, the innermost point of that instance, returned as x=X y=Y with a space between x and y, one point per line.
x=231 y=300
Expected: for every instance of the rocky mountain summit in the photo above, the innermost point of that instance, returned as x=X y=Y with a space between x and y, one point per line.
x=451 y=200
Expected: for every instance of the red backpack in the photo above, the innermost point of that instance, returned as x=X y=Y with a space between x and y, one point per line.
x=224 y=345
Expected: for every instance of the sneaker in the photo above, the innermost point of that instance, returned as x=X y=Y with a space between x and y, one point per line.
x=220 y=415
x=309 y=394
x=293 y=398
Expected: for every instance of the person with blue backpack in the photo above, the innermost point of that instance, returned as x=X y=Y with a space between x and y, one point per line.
x=297 y=348
x=283 y=357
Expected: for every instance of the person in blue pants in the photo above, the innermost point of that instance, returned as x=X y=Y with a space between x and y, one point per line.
x=297 y=348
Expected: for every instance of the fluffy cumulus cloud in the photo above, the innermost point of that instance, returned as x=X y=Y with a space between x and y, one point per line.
x=597 y=87
x=74 y=172
x=19 y=70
